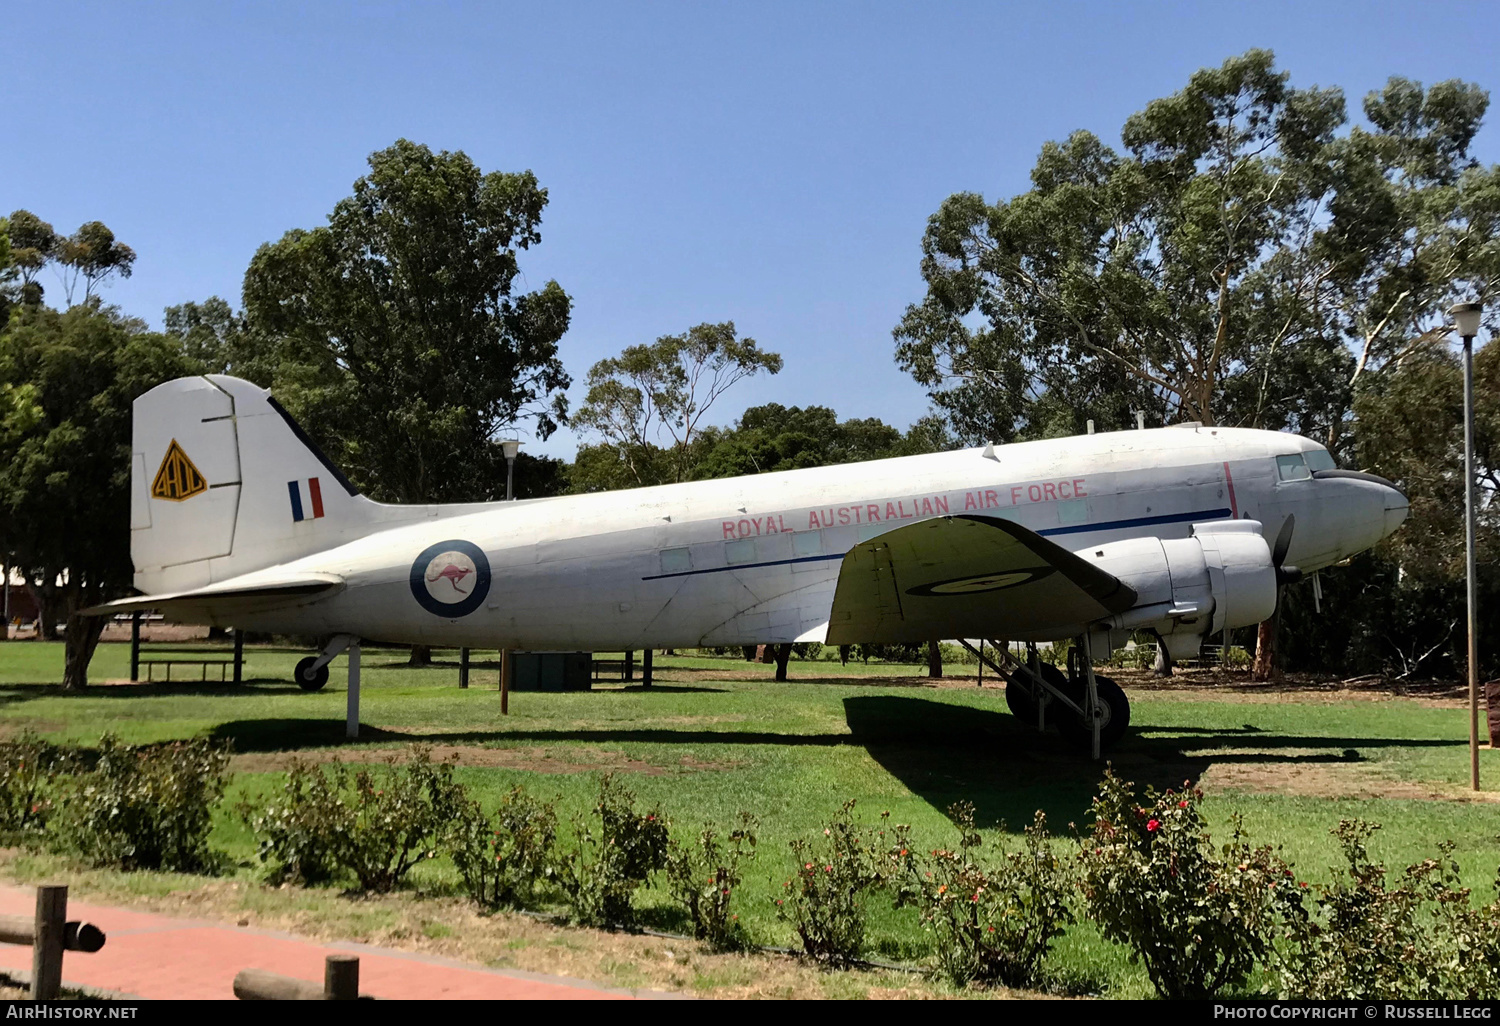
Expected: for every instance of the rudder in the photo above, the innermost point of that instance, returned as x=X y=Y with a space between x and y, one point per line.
x=224 y=482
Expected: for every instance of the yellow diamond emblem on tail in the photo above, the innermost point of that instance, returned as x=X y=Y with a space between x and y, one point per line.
x=177 y=478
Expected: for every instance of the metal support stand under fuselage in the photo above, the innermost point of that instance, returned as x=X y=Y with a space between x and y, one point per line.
x=351 y=718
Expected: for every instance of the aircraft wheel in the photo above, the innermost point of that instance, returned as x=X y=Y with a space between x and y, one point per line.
x=1113 y=704
x=1022 y=701
x=309 y=679
x=1022 y=705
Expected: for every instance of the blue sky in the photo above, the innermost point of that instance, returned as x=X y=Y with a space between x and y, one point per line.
x=771 y=164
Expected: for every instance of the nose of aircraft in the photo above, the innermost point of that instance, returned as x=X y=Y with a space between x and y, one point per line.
x=1396 y=509
x=1394 y=502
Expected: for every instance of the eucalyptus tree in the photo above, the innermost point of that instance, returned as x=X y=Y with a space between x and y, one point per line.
x=648 y=405
x=1240 y=262
x=67 y=381
x=396 y=331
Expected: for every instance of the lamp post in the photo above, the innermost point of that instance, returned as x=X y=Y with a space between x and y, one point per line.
x=510 y=447
x=1466 y=323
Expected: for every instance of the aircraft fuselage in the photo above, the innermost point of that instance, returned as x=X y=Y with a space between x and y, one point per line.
x=756 y=559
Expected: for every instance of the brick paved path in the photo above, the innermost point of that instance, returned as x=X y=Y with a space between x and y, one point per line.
x=155 y=956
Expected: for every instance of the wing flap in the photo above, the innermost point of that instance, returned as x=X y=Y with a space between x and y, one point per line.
x=968 y=576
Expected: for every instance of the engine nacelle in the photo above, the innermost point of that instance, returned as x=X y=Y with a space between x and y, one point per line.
x=1221 y=576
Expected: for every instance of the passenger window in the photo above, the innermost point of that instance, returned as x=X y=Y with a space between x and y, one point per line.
x=675 y=561
x=1320 y=459
x=807 y=543
x=1292 y=468
x=742 y=551
x=1074 y=511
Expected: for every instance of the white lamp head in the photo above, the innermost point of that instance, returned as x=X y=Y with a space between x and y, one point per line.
x=1466 y=318
x=510 y=447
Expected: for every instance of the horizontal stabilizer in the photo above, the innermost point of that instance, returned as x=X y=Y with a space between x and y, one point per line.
x=247 y=593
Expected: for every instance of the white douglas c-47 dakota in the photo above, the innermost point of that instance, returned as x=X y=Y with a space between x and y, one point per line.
x=238 y=520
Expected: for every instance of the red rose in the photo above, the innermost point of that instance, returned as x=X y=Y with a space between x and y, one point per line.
x=1152 y=824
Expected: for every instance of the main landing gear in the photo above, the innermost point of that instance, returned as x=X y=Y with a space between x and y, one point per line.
x=1089 y=710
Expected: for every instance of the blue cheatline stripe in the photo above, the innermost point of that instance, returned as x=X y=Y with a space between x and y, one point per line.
x=745 y=566
x=1108 y=525
x=295 y=493
x=1169 y=518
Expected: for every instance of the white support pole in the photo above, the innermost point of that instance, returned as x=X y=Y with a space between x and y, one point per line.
x=351 y=721
x=1091 y=692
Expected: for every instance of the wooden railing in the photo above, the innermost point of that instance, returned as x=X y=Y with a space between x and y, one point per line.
x=49 y=934
x=340 y=983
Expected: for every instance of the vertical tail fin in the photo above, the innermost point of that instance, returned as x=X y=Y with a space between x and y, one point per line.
x=224 y=482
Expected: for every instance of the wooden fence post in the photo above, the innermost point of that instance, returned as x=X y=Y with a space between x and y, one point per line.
x=47 y=947
x=341 y=977
x=239 y=655
x=463 y=667
x=135 y=645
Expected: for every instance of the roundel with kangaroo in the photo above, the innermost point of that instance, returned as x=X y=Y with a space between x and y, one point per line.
x=450 y=578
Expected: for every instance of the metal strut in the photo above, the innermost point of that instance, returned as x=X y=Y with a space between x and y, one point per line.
x=1090 y=693
x=1042 y=691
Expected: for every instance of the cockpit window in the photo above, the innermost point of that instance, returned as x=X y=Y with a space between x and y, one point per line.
x=1292 y=468
x=1319 y=459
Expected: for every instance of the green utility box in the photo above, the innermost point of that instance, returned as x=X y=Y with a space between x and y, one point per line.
x=552 y=671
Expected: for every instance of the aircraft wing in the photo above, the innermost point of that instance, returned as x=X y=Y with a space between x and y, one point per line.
x=254 y=592
x=967 y=577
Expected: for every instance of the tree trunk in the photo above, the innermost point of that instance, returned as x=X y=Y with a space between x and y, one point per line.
x=44 y=593
x=844 y=654
x=421 y=655
x=749 y=653
x=783 y=656
x=934 y=660
x=1265 y=651
x=82 y=637
x=1163 y=665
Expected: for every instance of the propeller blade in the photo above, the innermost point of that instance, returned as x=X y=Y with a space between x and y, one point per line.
x=1283 y=540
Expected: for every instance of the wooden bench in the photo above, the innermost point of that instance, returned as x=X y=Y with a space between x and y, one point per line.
x=203 y=663
x=614 y=669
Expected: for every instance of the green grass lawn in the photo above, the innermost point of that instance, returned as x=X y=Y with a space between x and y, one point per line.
x=719 y=735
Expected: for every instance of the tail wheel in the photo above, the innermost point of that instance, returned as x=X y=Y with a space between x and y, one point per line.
x=1114 y=715
x=309 y=679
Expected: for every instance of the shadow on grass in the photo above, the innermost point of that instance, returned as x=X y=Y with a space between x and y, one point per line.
x=947 y=753
x=941 y=752
x=251 y=687
x=665 y=689
x=279 y=735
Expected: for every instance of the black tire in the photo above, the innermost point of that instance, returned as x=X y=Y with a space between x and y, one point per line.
x=309 y=679
x=1020 y=699
x=1022 y=705
x=1116 y=708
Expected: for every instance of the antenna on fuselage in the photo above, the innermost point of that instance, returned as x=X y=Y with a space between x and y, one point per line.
x=1140 y=420
x=1091 y=427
